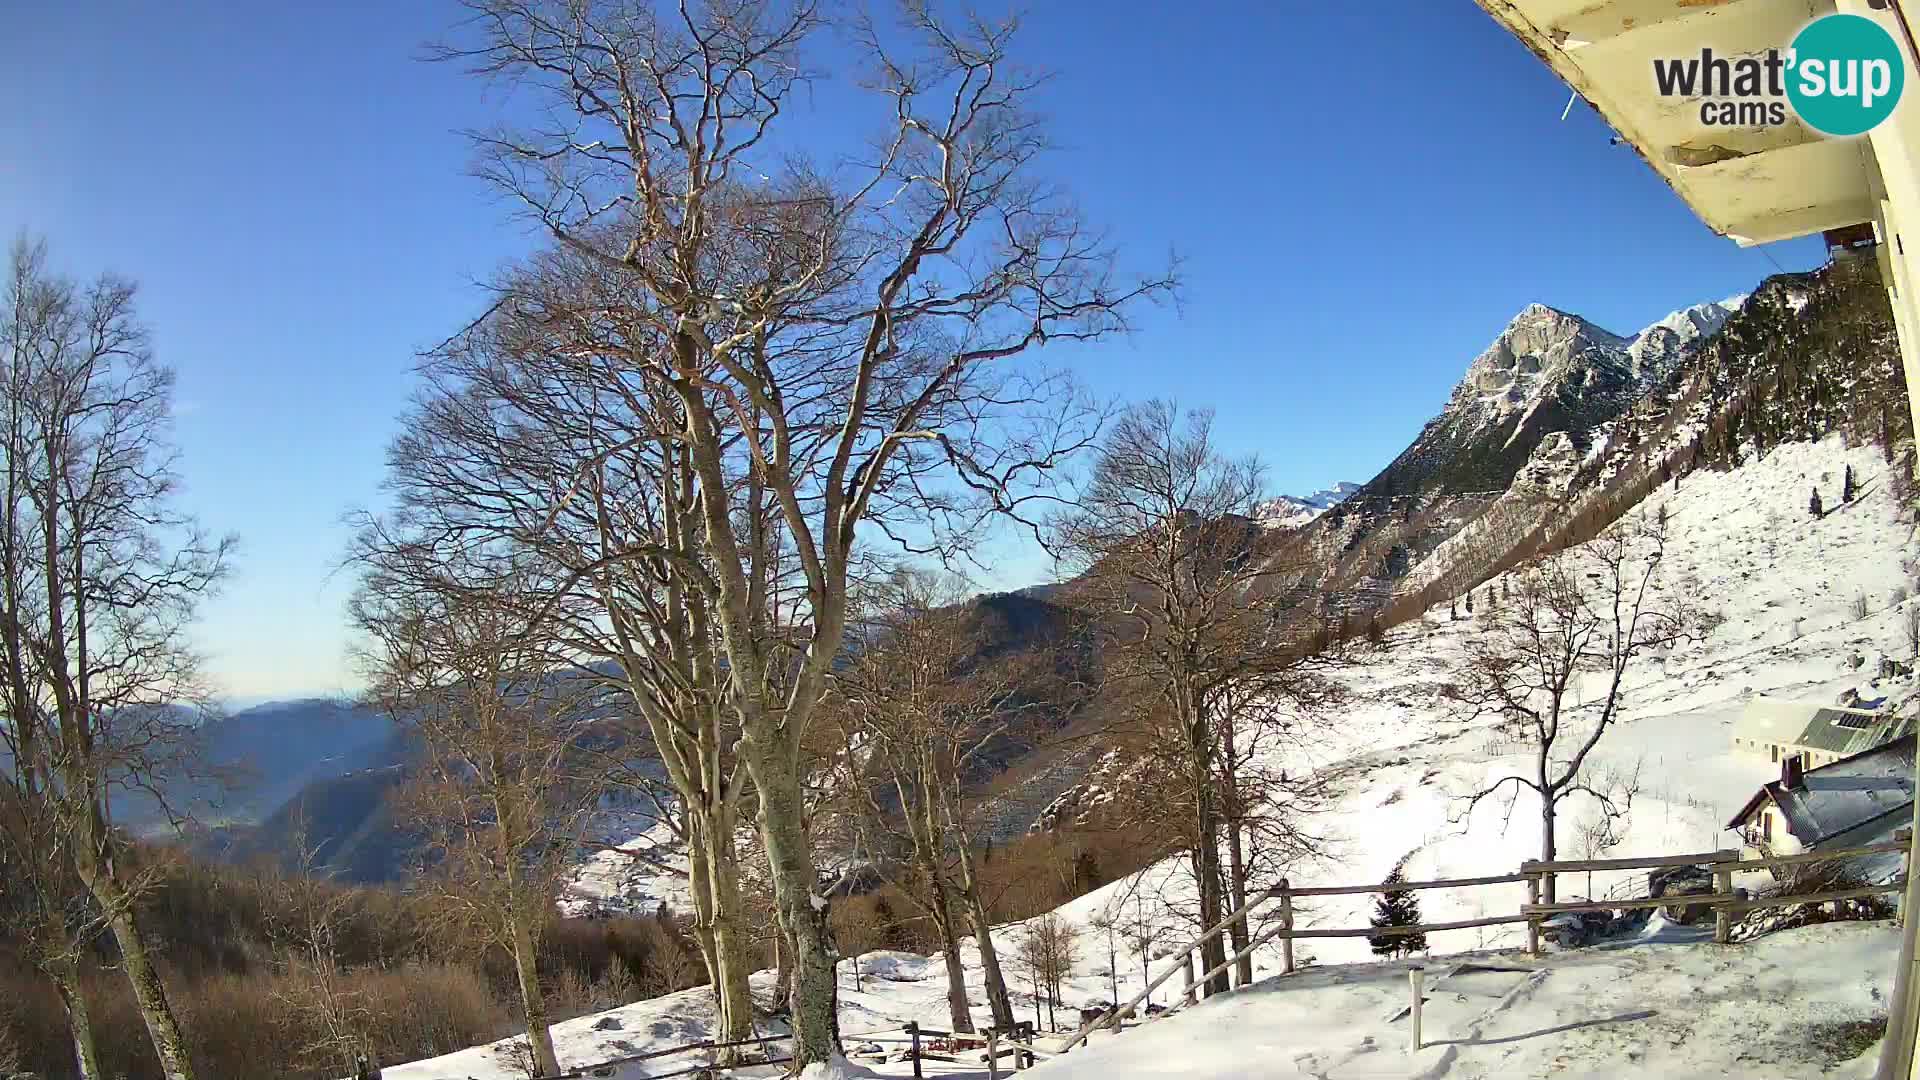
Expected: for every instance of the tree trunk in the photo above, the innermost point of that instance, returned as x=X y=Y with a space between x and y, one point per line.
x=959 y=1013
x=720 y=927
x=733 y=952
x=1237 y=897
x=999 y=1002
x=1206 y=853
x=814 y=998
x=1238 y=934
x=86 y=1054
x=1548 y=811
x=533 y=1001
x=149 y=993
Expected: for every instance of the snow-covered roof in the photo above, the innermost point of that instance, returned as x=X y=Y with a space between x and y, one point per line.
x=1834 y=729
x=1752 y=184
x=1848 y=802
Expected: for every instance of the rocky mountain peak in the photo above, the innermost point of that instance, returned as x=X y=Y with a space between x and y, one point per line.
x=1541 y=349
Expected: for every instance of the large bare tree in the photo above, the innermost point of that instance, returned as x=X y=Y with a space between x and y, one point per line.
x=535 y=436
x=103 y=576
x=836 y=338
x=1552 y=663
x=1186 y=586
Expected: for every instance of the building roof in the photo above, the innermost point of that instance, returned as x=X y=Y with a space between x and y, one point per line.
x=1833 y=729
x=1752 y=184
x=1852 y=800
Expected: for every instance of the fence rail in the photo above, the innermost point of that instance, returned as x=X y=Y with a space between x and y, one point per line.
x=1538 y=876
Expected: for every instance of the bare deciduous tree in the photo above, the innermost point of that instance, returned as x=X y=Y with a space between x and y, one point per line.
x=1049 y=947
x=499 y=797
x=835 y=339
x=924 y=707
x=102 y=578
x=305 y=918
x=1553 y=663
x=1185 y=583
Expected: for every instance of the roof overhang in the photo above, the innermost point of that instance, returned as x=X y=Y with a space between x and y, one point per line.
x=1754 y=185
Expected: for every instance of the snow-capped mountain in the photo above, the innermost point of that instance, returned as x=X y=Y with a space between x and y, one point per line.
x=1660 y=347
x=1293 y=511
x=1548 y=371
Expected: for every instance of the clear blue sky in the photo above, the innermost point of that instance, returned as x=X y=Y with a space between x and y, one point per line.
x=1363 y=195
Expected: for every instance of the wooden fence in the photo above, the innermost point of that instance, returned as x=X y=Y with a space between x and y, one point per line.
x=1539 y=878
x=1023 y=1044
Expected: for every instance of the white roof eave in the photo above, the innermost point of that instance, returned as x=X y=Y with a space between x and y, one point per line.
x=1753 y=185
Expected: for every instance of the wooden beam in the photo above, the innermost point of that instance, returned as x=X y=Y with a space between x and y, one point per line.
x=1813 y=898
x=1401 y=931
x=1405 y=886
x=1807 y=857
x=1684 y=900
x=1701 y=859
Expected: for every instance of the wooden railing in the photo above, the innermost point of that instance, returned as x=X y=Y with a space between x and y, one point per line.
x=1725 y=901
x=1022 y=1042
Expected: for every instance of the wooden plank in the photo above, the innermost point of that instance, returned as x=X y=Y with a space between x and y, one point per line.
x=1423 y=928
x=1405 y=886
x=1703 y=858
x=1813 y=898
x=1685 y=900
x=1807 y=857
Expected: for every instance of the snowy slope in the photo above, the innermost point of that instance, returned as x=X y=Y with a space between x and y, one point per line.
x=1784 y=584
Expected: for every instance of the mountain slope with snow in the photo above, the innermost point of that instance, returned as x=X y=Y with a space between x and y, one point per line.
x=1784 y=586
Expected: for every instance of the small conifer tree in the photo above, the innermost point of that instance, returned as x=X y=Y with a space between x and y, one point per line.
x=1397 y=908
x=1813 y=507
x=1847 y=487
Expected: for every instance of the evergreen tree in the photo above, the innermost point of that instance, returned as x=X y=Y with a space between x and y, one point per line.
x=1469 y=601
x=1453 y=611
x=1397 y=908
x=1813 y=507
x=1847 y=488
x=1374 y=634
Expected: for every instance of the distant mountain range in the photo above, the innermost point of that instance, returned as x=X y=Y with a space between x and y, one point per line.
x=1292 y=511
x=1555 y=419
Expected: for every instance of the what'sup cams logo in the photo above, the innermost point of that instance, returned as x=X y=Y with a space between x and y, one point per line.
x=1842 y=76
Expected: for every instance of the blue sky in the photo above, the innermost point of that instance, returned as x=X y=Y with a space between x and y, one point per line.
x=1363 y=195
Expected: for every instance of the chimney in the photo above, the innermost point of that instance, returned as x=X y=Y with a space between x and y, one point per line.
x=1792 y=771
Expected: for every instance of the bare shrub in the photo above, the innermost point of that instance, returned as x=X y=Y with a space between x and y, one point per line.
x=1860 y=607
x=1049 y=948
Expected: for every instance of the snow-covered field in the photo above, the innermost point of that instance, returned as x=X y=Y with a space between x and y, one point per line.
x=1785 y=584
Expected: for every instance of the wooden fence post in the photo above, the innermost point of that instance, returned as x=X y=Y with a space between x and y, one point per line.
x=1533 y=924
x=1417 y=977
x=1905 y=836
x=1722 y=915
x=1186 y=974
x=913 y=1034
x=1286 y=921
x=993 y=1053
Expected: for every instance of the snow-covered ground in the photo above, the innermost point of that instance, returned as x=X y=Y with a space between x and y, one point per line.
x=1785 y=585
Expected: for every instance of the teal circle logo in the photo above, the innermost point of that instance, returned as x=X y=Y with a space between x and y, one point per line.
x=1846 y=75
